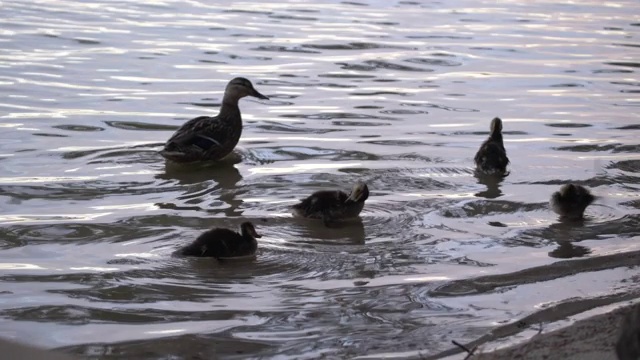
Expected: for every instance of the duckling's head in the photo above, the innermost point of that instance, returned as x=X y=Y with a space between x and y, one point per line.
x=241 y=87
x=248 y=229
x=496 y=126
x=359 y=193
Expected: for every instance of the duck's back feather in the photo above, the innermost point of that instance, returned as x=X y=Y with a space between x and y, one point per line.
x=203 y=138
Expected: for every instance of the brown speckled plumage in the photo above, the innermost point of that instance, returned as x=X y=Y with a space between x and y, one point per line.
x=211 y=138
x=224 y=243
x=492 y=158
x=333 y=205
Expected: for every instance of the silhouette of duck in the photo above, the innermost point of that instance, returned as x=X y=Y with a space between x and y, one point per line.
x=570 y=201
x=333 y=205
x=212 y=138
x=224 y=243
x=492 y=158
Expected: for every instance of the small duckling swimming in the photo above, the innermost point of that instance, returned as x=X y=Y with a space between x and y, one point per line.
x=570 y=201
x=212 y=138
x=224 y=243
x=492 y=158
x=333 y=205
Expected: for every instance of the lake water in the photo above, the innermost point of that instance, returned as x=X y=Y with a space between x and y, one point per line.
x=398 y=94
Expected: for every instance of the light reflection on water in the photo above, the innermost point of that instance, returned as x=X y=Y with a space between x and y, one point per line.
x=398 y=94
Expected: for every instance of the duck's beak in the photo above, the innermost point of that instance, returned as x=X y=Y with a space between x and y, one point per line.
x=255 y=93
x=256 y=235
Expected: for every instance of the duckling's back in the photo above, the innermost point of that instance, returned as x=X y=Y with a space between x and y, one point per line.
x=219 y=243
x=320 y=204
x=492 y=157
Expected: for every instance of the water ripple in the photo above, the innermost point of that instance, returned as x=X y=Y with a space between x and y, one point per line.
x=90 y=212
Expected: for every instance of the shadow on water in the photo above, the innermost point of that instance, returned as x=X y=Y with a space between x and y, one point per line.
x=492 y=182
x=136 y=154
x=565 y=235
x=315 y=231
x=224 y=174
x=568 y=250
x=220 y=179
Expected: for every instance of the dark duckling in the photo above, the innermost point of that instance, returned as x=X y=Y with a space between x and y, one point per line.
x=224 y=243
x=570 y=201
x=492 y=158
x=212 y=138
x=333 y=205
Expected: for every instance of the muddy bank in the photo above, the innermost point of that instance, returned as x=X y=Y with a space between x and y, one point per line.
x=591 y=338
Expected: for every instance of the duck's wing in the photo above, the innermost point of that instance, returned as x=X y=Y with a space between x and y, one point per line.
x=203 y=134
x=491 y=156
x=321 y=203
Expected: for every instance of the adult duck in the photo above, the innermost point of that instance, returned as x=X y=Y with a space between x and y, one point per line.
x=492 y=158
x=212 y=137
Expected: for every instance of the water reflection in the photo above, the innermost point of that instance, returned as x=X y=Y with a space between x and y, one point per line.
x=344 y=232
x=363 y=92
x=568 y=250
x=492 y=182
x=225 y=175
x=218 y=179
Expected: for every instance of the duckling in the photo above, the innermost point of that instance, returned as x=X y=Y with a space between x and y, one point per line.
x=571 y=201
x=492 y=158
x=224 y=243
x=333 y=205
x=212 y=138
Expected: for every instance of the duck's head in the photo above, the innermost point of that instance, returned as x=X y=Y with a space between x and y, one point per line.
x=496 y=126
x=248 y=229
x=359 y=193
x=241 y=87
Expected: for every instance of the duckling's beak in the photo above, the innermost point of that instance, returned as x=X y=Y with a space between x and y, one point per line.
x=256 y=235
x=255 y=93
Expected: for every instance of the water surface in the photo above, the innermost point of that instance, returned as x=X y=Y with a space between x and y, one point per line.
x=395 y=93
